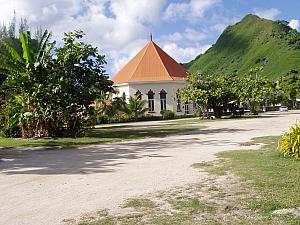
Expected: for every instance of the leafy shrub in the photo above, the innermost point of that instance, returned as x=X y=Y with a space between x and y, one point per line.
x=289 y=144
x=149 y=117
x=167 y=114
x=122 y=118
x=12 y=132
x=103 y=119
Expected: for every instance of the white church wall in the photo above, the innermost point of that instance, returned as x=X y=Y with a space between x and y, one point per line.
x=170 y=87
x=120 y=89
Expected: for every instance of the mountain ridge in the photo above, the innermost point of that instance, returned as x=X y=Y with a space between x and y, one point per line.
x=250 y=43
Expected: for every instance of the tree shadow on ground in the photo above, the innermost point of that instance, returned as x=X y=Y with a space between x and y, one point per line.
x=104 y=158
x=100 y=135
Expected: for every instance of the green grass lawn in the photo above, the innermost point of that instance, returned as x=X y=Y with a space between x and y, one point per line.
x=274 y=177
x=99 y=135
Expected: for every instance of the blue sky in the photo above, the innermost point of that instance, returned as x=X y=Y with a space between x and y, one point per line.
x=120 y=28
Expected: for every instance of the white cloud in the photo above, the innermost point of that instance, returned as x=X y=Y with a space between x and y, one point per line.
x=184 y=54
x=270 y=14
x=219 y=27
x=189 y=34
x=112 y=25
x=39 y=12
x=121 y=56
x=190 y=10
x=294 y=24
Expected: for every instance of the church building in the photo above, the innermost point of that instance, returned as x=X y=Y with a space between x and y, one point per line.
x=155 y=77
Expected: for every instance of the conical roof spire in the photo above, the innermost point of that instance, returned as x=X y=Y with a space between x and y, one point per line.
x=150 y=64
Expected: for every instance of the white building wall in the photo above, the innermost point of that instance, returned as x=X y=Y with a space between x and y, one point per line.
x=120 y=89
x=170 y=87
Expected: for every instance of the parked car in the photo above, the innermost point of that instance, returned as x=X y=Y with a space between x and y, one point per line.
x=283 y=109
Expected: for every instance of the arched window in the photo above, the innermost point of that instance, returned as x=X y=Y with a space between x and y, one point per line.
x=178 y=103
x=150 y=101
x=163 y=99
x=124 y=96
x=138 y=94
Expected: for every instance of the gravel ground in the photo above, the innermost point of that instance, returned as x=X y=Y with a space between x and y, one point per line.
x=50 y=186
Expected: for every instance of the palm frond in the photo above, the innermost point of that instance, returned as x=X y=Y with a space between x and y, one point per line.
x=27 y=47
x=12 y=51
x=11 y=67
x=143 y=111
x=42 y=45
x=5 y=59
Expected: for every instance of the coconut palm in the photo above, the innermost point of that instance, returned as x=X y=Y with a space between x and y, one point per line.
x=135 y=107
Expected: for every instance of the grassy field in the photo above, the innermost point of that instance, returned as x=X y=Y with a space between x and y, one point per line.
x=275 y=178
x=99 y=135
x=244 y=187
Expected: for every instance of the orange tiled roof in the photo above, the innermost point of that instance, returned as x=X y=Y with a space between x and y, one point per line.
x=150 y=64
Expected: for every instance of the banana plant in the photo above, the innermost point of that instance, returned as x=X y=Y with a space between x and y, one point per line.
x=13 y=61
x=19 y=71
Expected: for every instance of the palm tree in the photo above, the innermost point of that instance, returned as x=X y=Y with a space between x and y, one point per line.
x=135 y=107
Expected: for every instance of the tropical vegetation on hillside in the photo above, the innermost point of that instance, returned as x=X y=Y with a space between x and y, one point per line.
x=251 y=43
x=254 y=63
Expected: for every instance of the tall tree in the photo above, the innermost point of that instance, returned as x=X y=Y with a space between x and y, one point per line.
x=80 y=79
x=210 y=92
x=3 y=31
x=23 y=27
x=290 y=87
x=11 y=31
x=49 y=91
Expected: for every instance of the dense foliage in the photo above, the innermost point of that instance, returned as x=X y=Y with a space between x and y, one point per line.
x=136 y=107
x=167 y=114
x=209 y=92
x=290 y=87
x=49 y=90
x=289 y=144
x=120 y=109
x=251 y=43
x=224 y=93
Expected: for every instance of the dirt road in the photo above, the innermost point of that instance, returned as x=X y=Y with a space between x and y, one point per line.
x=48 y=186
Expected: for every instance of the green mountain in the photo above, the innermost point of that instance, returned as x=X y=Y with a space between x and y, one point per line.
x=251 y=43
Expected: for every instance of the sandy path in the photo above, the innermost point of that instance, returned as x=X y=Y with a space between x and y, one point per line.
x=45 y=187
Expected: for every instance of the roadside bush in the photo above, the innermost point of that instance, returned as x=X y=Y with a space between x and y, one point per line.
x=254 y=112
x=149 y=117
x=289 y=144
x=167 y=114
x=103 y=119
